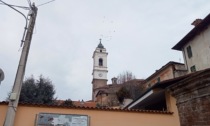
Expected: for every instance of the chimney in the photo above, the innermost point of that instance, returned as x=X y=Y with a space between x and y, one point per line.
x=114 y=80
x=196 y=22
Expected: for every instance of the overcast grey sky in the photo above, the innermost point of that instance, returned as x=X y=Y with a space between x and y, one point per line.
x=137 y=34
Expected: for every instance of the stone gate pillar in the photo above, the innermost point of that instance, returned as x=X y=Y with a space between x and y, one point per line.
x=193 y=99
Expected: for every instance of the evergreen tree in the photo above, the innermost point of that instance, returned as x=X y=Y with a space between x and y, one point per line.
x=37 y=91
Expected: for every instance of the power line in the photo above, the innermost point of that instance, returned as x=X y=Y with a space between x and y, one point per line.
x=45 y=3
x=26 y=18
x=3 y=3
x=26 y=8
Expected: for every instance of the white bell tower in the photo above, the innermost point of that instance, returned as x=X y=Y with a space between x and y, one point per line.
x=99 y=69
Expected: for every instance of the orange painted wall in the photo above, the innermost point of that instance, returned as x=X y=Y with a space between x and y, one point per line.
x=3 y=110
x=26 y=117
x=171 y=106
x=164 y=75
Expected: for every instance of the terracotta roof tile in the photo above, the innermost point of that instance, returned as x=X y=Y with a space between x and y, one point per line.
x=85 y=104
x=79 y=103
x=91 y=108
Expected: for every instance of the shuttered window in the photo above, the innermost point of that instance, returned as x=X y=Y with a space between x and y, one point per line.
x=189 y=51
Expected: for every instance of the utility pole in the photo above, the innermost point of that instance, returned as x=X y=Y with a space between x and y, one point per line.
x=15 y=94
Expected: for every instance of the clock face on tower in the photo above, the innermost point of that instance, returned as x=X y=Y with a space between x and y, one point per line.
x=100 y=74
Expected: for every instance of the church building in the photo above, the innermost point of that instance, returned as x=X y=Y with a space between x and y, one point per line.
x=102 y=93
x=99 y=69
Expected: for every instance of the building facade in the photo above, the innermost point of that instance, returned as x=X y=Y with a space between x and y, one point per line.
x=169 y=71
x=195 y=46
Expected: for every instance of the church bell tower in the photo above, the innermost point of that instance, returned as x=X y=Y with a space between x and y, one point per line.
x=99 y=69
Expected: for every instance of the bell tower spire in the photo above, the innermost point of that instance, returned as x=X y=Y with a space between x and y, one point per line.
x=99 y=68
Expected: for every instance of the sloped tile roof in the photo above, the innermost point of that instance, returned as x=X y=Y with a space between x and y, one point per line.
x=166 y=83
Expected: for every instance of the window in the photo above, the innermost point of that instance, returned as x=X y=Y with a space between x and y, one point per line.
x=158 y=79
x=100 y=62
x=193 y=68
x=189 y=51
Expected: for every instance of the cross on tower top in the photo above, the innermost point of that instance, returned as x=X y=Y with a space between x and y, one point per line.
x=100 y=44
